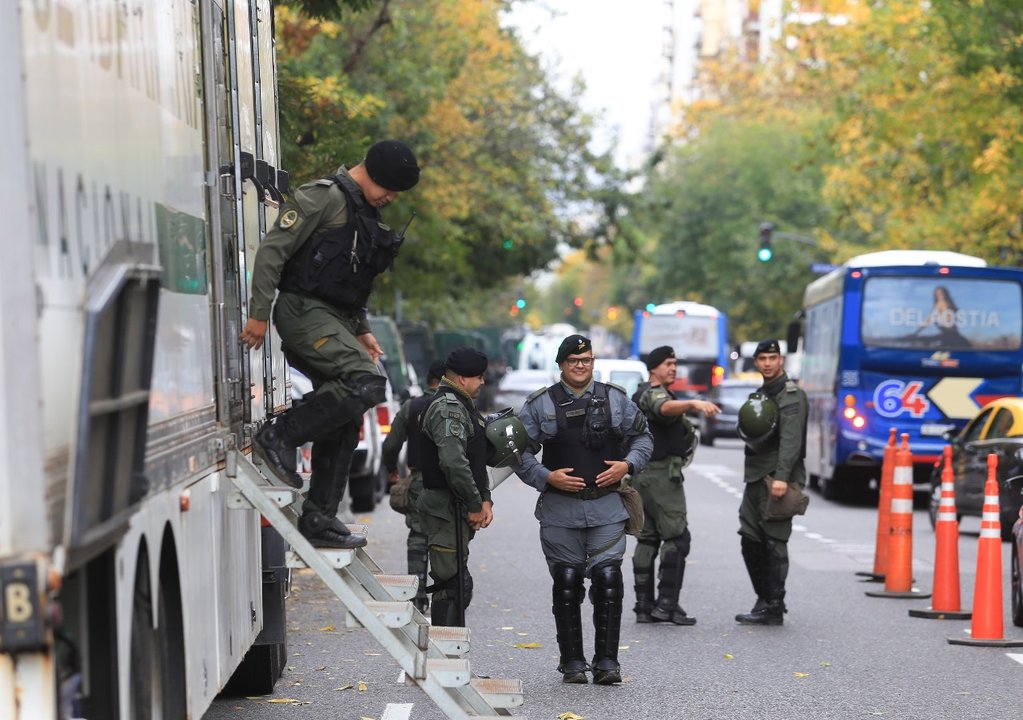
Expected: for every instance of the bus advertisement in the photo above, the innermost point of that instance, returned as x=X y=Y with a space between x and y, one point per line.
x=913 y=340
x=699 y=335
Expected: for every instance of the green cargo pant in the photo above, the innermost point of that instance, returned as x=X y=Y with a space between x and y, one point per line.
x=437 y=515
x=664 y=508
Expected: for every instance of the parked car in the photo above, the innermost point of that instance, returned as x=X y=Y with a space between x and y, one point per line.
x=628 y=374
x=517 y=385
x=998 y=429
x=729 y=396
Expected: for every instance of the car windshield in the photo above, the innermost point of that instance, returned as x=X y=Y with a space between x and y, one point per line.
x=628 y=379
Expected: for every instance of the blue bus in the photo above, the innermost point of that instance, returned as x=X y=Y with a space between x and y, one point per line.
x=699 y=335
x=911 y=339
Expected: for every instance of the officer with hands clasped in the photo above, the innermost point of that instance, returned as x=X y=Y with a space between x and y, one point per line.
x=773 y=425
x=455 y=502
x=322 y=254
x=406 y=426
x=592 y=436
x=665 y=526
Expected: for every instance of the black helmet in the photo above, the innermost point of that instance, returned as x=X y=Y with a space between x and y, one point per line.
x=506 y=437
x=758 y=420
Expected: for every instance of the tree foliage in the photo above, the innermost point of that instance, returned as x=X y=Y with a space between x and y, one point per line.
x=504 y=154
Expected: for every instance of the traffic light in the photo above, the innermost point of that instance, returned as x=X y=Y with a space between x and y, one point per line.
x=765 y=253
x=578 y=302
x=612 y=313
x=520 y=303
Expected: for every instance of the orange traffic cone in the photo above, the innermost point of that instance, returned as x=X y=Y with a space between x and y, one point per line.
x=884 y=513
x=946 y=602
x=898 y=579
x=987 y=627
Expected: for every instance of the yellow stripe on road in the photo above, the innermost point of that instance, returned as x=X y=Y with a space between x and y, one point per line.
x=952 y=396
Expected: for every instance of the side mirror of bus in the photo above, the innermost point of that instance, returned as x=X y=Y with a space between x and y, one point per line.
x=795 y=331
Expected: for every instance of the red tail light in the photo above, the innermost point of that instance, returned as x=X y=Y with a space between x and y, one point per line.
x=717 y=375
x=384 y=418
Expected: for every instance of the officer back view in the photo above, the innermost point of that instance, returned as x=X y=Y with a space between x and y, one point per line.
x=773 y=425
x=661 y=485
x=592 y=435
x=323 y=253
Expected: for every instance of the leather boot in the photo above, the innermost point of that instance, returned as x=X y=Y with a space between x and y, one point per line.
x=606 y=595
x=770 y=609
x=754 y=554
x=332 y=459
x=669 y=583
x=276 y=441
x=567 y=598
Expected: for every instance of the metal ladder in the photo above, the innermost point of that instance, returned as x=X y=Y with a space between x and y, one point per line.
x=432 y=657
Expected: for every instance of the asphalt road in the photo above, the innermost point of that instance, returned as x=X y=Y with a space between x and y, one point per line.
x=839 y=655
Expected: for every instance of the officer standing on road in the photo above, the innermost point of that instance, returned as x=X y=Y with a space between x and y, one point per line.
x=664 y=498
x=456 y=488
x=773 y=425
x=323 y=253
x=406 y=426
x=592 y=436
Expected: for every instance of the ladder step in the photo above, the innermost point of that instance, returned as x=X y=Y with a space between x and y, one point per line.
x=500 y=692
x=337 y=558
x=393 y=614
x=281 y=496
x=449 y=672
x=452 y=641
x=400 y=587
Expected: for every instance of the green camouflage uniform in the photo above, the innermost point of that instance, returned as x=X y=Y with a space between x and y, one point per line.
x=449 y=425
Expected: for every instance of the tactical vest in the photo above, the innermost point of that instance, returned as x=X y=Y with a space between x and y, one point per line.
x=433 y=476
x=338 y=265
x=416 y=408
x=672 y=436
x=572 y=445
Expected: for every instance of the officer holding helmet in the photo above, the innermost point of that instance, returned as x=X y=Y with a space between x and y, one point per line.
x=665 y=527
x=592 y=436
x=773 y=425
x=456 y=502
x=323 y=254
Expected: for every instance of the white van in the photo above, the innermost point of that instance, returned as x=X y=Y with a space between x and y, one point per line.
x=625 y=373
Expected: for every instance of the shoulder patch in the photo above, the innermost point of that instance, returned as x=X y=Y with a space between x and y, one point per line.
x=288 y=219
x=536 y=394
x=325 y=181
x=790 y=386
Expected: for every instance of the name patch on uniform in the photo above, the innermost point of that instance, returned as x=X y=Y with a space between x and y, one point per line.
x=575 y=413
x=288 y=219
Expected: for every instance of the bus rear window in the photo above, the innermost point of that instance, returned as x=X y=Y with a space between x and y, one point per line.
x=923 y=313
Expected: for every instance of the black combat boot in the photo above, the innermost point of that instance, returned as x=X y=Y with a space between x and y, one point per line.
x=567 y=597
x=644 y=596
x=754 y=554
x=770 y=608
x=606 y=595
x=669 y=582
x=276 y=441
x=332 y=459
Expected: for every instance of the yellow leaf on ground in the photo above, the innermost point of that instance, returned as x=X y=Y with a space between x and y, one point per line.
x=528 y=646
x=508 y=627
x=729 y=656
x=825 y=663
x=570 y=716
x=289 y=701
x=801 y=675
x=327 y=628
x=362 y=686
x=344 y=687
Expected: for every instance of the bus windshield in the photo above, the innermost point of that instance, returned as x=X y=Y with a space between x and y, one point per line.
x=926 y=313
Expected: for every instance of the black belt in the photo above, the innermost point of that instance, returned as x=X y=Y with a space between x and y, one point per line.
x=587 y=493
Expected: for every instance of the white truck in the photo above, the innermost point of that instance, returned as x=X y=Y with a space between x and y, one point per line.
x=141 y=164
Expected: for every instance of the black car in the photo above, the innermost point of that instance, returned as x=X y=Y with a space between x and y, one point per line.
x=729 y=396
x=997 y=430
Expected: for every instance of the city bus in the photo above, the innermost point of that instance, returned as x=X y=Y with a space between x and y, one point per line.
x=699 y=335
x=913 y=340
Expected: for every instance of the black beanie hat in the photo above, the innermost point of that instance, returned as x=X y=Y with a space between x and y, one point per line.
x=392 y=165
x=767 y=346
x=659 y=355
x=467 y=362
x=572 y=345
x=436 y=371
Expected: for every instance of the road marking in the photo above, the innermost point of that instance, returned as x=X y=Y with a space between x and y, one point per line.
x=710 y=469
x=397 y=711
x=1018 y=657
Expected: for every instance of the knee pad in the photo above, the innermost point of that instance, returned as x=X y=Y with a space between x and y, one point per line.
x=371 y=389
x=568 y=583
x=682 y=543
x=607 y=582
x=643 y=558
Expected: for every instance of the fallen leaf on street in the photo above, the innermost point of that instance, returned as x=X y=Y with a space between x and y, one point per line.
x=344 y=687
x=508 y=627
x=825 y=663
x=289 y=701
x=801 y=675
x=570 y=716
x=729 y=656
x=363 y=686
x=321 y=669
x=327 y=628
x=371 y=654
x=528 y=645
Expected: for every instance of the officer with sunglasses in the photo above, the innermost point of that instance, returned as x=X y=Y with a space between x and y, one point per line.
x=592 y=435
